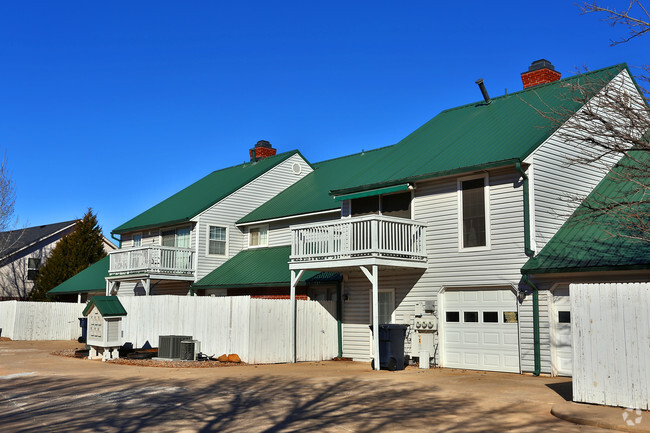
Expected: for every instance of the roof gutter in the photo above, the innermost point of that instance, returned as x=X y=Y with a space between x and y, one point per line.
x=530 y=253
x=119 y=241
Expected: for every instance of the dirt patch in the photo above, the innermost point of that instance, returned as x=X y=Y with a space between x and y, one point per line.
x=5 y=339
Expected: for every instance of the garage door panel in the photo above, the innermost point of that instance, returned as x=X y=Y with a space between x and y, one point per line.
x=491 y=338
x=486 y=343
x=470 y=337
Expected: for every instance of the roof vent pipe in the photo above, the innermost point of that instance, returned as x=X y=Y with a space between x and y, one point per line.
x=483 y=90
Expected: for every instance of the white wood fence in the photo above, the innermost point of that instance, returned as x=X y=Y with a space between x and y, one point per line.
x=40 y=320
x=611 y=344
x=258 y=330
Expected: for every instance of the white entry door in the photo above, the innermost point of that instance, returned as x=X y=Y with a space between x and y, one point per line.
x=481 y=330
x=561 y=350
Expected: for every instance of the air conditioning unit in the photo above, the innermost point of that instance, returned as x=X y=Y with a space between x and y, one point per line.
x=169 y=346
x=189 y=349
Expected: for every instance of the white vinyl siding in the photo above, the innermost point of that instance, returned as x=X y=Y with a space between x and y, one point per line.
x=556 y=180
x=239 y=204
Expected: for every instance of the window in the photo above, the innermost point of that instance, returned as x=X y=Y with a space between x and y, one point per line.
x=490 y=317
x=386 y=306
x=396 y=205
x=473 y=210
x=510 y=317
x=470 y=316
x=179 y=238
x=258 y=236
x=452 y=316
x=365 y=206
x=32 y=268
x=137 y=240
x=217 y=240
x=564 y=317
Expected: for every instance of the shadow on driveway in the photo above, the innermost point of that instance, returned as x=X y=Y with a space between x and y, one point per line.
x=260 y=404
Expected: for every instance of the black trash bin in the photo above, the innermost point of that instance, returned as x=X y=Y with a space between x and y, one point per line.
x=391 y=346
x=83 y=323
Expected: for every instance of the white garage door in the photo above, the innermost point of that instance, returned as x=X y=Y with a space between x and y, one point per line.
x=480 y=330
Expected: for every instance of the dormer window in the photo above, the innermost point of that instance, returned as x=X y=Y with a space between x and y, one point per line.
x=258 y=236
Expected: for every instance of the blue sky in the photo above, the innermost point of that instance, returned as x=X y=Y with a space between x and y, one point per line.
x=118 y=105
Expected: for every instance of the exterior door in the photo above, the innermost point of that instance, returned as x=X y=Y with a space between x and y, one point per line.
x=480 y=330
x=561 y=350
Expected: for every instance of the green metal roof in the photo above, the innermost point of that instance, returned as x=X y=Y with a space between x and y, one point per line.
x=256 y=267
x=311 y=193
x=90 y=279
x=199 y=196
x=591 y=240
x=475 y=136
x=107 y=305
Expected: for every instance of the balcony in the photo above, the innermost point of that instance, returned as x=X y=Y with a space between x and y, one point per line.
x=152 y=260
x=359 y=241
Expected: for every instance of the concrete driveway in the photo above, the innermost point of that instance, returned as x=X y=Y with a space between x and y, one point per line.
x=41 y=392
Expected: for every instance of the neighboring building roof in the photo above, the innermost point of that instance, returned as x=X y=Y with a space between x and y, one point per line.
x=199 y=196
x=90 y=279
x=107 y=305
x=591 y=240
x=255 y=267
x=311 y=193
x=475 y=136
x=16 y=240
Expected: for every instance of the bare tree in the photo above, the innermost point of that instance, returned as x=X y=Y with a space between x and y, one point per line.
x=612 y=130
x=7 y=197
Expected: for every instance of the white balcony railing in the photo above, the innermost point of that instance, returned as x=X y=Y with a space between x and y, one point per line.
x=152 y=260
x=368 y=236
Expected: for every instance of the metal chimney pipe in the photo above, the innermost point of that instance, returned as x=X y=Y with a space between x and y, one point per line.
x=483 y=90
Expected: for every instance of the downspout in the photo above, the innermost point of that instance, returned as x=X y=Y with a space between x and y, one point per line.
x=119 y=241
x=339 y=316
x=530 y=253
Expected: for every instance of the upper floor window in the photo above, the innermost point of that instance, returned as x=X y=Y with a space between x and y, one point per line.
x=474 y=212
x=258 y=236
x=179 y=238
x=217 y=240
x=137 y=240
x=32 y=268
x=395 y=205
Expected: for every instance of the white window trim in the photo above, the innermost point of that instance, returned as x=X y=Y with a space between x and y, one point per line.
x=486 y=197
x=133 y=240
x=207 y=243
x=267 y=236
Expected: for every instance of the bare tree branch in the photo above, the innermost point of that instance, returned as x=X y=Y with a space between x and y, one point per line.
x=637 y=25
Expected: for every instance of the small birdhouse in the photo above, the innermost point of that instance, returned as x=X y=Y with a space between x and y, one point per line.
x=104 y=334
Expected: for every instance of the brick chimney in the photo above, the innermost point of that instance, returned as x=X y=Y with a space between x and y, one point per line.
x=539 y=72
x=262 y=150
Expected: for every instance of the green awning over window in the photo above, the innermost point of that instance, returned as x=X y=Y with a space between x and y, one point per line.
x=371 y=192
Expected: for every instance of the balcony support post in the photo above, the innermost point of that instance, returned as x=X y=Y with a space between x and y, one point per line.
x=374 y=280
x=295 y=277
x=146 y=283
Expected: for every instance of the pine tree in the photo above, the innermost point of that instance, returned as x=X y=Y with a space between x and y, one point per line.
x=72 y=254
